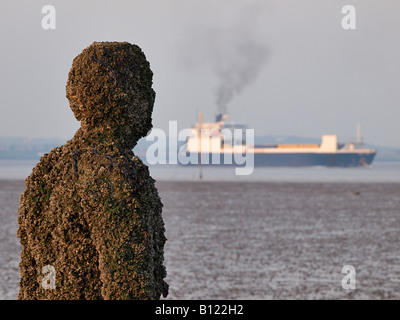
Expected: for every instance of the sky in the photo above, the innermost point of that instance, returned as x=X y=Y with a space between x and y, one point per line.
x=283 y=67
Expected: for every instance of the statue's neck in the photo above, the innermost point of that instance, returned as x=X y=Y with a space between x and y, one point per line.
x=102 y=136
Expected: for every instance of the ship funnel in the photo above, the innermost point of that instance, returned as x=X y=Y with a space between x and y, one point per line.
x=220 y=117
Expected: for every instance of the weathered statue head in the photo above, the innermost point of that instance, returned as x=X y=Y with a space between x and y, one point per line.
x=109 y=89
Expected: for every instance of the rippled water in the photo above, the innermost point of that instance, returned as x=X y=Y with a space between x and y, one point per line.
x=261 y=240
x=278 y=233
x=281 y=240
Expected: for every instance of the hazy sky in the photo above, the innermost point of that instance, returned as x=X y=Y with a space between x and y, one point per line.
x=293 y=68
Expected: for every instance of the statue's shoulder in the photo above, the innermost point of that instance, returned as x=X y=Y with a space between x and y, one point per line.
x=48 y=162
x=106 y=164
x=40 y=184
x=115 y=179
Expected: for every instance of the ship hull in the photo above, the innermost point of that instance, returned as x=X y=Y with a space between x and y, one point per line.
x=338 y=159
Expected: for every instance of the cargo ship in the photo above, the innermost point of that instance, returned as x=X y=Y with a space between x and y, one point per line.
x=213 y=148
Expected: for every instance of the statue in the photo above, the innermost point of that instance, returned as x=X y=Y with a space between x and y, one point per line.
x=90 y=221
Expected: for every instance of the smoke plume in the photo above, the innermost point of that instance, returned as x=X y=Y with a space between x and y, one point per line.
x=231 y=47
x=237 y=65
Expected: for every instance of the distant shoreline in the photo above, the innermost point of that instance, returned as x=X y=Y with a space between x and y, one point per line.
x=21 y=149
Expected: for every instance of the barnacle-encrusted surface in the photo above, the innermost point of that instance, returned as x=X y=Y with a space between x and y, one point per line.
x=109 y=91
x=90 y=208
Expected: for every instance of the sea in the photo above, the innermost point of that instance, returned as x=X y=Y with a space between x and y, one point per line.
x=277 y=234
x=378 y=172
